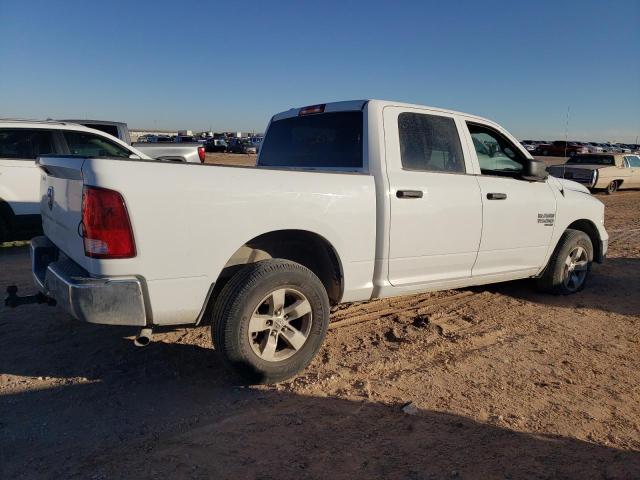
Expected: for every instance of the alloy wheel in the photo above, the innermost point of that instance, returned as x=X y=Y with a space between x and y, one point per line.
x=575 y=269
x=280 y=325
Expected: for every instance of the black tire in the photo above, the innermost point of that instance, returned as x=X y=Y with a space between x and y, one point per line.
x=612 y=187
x=243 y=294
x=545 y=152
x=4 y=230
x=553 y=279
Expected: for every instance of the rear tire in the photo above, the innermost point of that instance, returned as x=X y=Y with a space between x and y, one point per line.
x=270 y=320
x=4 y=230
x=612 y=187
x=569 y=265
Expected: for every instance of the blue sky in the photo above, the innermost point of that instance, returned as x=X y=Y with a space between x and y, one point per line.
x=231 y=66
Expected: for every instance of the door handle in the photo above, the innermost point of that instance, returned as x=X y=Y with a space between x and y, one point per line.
x=496 y=196
x=409 y=194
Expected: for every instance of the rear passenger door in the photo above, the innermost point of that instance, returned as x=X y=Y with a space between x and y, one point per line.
x=436 y=210
x=19 y=175
x=518 y=215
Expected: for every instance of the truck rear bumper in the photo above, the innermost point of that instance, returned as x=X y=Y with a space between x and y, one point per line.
x=95 y=300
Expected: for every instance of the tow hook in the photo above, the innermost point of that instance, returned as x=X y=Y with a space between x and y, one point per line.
x=12 y=299
x=144 y=337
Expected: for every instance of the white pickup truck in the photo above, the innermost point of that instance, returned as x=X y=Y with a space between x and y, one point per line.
x=350 y=201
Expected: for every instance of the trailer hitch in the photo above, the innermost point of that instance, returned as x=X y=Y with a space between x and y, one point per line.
x=12 y=299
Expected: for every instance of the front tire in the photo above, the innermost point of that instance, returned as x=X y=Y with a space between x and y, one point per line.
x=270 y=320
x=612 y=187
x=569 y=265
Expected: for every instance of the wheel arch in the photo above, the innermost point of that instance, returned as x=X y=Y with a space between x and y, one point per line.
x=301 y=246
x=589 y=228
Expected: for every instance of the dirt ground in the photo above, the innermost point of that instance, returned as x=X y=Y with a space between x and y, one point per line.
x=507 y=384
x=244 y=159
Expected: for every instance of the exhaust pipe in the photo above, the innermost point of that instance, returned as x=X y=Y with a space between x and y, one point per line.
x=144 y=337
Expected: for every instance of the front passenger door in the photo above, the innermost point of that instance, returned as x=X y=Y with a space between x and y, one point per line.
x=518 y=215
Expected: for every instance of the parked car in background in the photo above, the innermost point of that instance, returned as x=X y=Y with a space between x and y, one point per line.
x=595 y=147
x=561 y=148
x=155 y=139
x=530 y=145
x=241 y=145
x=115 y=129
x=608 y=172
x=21 y=142
x=216 y=145
x=623 y=148
x=187 y=139
x=349 y=201
x=610 y=148
x=183 y=152
x=256 y=141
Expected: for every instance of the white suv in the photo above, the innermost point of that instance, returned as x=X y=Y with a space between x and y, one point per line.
x=21 y=142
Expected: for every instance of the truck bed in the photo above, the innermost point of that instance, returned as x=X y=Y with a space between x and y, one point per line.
x=188 y=220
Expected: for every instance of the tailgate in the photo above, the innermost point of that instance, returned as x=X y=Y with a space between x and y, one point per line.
x=61 y=204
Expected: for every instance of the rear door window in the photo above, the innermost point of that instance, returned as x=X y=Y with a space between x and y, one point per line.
x=429 y=143
x=25 y=143
x=90 y=145
x=328 y=140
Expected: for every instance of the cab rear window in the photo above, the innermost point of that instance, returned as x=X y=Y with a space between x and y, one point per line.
x=328 y=140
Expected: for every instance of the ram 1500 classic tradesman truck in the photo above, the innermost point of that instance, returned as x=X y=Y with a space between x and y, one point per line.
x=350 y=201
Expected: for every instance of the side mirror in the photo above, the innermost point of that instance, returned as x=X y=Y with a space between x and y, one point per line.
x=534 y=170
x=133 y=156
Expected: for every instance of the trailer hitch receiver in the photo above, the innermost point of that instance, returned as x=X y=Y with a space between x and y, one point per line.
x=12 y=299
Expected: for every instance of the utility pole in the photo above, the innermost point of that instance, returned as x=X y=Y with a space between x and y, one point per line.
x=566 y=131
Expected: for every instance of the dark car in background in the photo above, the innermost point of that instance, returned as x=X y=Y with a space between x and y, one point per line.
x=216 y=145
x=241 y=145
x=561 y=148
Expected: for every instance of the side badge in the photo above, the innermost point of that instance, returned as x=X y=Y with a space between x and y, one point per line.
x=50 y=198
x=547 y=219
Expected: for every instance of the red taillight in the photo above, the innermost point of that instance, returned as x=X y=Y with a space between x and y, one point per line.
x=202 y=154
x=312 y=109
x=105 y=225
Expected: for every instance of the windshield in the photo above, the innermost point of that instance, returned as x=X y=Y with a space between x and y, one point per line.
x=592 y=160
x=326 y=140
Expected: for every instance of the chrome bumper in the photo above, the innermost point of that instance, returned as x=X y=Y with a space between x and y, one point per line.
x=94 y=300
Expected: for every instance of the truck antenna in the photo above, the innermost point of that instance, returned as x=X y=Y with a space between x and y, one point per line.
x=566 y=131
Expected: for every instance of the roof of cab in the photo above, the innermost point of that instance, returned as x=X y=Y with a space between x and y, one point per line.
x=350 y=105
x=49 y=124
